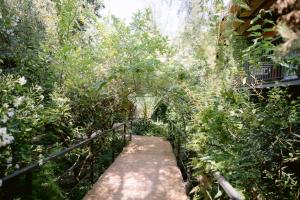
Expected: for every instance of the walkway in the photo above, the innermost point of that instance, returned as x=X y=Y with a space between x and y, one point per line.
x=145 y=170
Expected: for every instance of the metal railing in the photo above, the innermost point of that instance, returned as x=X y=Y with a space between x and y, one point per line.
x=181 y=138
x=265 y=72
x=28 y=170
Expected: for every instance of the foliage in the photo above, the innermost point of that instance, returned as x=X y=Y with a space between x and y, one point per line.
x=67 y=71
x=246 y=135
x=150 y=128
x=27 y=123
x=232 y=134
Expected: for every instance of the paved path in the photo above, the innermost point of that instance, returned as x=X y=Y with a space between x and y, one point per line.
x=145 y=170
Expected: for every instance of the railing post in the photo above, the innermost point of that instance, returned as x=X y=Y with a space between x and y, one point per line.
x=92 y=162
x=178 y=146
x=171 y=136
x=28 y=189
x=130 y=133
x=113 y=146
x=124 y=136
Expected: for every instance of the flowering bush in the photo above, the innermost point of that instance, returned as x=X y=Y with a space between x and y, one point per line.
x=24 y=116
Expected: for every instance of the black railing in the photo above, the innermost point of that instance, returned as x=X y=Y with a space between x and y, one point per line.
x=266 y=73
x=179 y=139
x=7 y=189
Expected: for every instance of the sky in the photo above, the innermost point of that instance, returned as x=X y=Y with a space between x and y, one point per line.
x=169 y=20
x=165 y=12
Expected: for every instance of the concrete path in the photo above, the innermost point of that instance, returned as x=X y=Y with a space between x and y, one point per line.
x=145 y=170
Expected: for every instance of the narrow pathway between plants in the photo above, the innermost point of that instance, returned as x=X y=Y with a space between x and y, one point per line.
x=145 y=170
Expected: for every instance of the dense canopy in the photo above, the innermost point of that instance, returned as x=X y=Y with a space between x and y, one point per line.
x=67 y=70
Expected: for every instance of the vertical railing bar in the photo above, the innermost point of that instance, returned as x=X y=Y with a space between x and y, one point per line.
x=178 y=145
x=92 y=162
x=28 y=186
x=124 y=136
x=130 y=132
x=28 y=170
x=113 y=146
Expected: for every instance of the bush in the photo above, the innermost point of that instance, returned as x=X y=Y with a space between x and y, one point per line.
x=254 y=145
x=150 y=128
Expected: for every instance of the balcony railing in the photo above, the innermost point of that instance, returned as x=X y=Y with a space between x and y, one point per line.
x=267 y=72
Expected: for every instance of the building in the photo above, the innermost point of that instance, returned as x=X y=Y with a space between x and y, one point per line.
x=266 y=73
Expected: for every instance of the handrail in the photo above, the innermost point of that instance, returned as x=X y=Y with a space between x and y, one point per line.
x=183 y=134
x=227 y=187
x=53 y=156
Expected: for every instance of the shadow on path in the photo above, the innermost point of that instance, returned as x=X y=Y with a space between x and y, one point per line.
x=145 y=170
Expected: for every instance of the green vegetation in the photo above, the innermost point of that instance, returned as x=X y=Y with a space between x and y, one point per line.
x=66 y=71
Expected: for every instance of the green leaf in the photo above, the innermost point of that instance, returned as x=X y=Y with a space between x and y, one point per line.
x=255 y=19
x=254 y=28
x=255 y=34
x=267 y=21
x=100 y=84
x=218 y=195
x=244 y=5
x=268 y=30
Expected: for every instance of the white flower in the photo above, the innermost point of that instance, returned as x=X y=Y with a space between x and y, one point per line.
x=6 y=139
x=38 y=88
x=41 y=162
x=61 y=100
x=11 y=113
x=3 y=131
x=8 y=160
x=22 y=80
x=4 y=119
x=42 y=97
x=5 y=105
x=17 y=166
x=232 y=113
x=18 y=101
x=14 y=24
x=162 y=59
x=94 y=134
x=84 y=137
x=9 y=31
x=244 y=81
x=220 y=108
